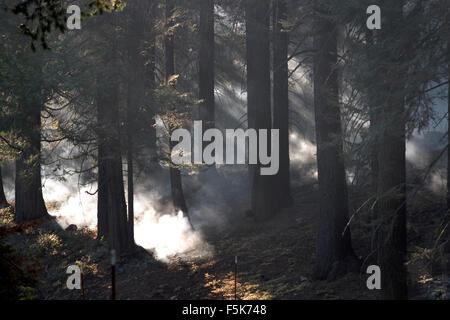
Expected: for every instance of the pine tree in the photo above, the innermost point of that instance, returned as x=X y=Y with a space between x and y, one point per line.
x=281 y=98
x=334 y=252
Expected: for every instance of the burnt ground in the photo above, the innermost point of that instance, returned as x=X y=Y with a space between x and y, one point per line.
x=275 y=259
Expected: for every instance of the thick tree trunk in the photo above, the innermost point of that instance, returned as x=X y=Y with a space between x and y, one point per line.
x=281 y=100
x=3 y=202
x=391 y=204
x=334 y=253
x=257 y=14
x=29 y=202
x=136 y=92
x=112 y=209
x=206 y=63
x=178 y=199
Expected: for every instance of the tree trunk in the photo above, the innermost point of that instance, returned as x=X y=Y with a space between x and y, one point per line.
x=334 y=253
x=281 y=99
x=150 y=77
x=136 y=90
x=3 y=202
x=448 y=131
x=178 y=199
x=391 y=205
x=374 y=124
x=447 y=231
x=130 y=180
x=257 y=14
x=112 y=209
x=206 y=63
x=29 y=203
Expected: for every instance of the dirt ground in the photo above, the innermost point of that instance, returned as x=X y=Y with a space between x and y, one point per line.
x=274 y=259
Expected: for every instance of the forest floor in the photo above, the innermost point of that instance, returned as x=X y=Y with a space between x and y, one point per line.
x=275 y=259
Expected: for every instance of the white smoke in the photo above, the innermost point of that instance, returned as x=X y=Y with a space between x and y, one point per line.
x=302 y=154
x=166 y=235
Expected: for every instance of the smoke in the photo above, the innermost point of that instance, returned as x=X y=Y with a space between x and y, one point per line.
x=302 y=155
x=422 y=151
x=69 y=205
x=156 y=229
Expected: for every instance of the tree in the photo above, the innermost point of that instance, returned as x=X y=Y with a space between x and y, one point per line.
x=374 y=124
x=334 y=252
x=206 y=63
x=257 y=15
x=391 y=193
x=112 y=210
x=3 y=202
x=29 y=201
x=281 y=98
x=176 y=185
x=447 y=225
x=448 y=135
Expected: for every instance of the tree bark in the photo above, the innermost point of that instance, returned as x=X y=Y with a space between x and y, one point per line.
x=3 y=202
x=448 y=129
x=178 y=199
x=257 y=14
x=374 y=124
x=29 y=202
x=206 y=63
x=130 y=180
x=447 y=232
x=112 y=209
x=150 y=77
x=334 y=252
x=281 y=100
x=391 y=194
x=136 y=91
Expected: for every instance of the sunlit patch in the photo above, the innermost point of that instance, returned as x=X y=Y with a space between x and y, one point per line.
x=224 y=287
x=425 y=279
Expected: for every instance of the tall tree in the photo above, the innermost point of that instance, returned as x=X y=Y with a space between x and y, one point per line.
x=374 y=124
x=334 y=252
x=281 y=98
x=447 y=226
x=391 y=195
x=448 y=126
x=176 y=185
x=112 y=209
x=257 y=17
x=135 y=94
x=25 y=91
x=206 y=63
x=29 y=201
x=149 y=49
